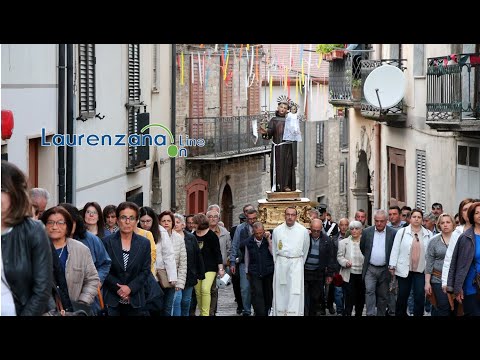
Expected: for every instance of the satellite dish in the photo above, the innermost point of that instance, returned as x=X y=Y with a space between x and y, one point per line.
x=390 y=83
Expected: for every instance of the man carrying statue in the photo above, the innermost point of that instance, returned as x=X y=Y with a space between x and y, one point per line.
x=284 y=132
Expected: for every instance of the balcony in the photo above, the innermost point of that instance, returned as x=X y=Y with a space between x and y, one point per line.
x=395 y=115
x=343 y=74
x=226 y=137
x=453 y=93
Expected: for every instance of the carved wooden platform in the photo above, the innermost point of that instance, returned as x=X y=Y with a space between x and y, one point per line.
x=272 y=213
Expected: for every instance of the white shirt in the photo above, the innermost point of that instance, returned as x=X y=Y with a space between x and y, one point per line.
x=377 y=257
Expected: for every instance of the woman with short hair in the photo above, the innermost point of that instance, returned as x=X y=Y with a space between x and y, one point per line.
x=350 y=258
x=75 y=258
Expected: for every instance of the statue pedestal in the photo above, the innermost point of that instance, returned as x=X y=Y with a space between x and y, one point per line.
x=272 y=209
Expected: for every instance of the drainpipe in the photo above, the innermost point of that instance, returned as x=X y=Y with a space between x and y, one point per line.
x=173 y=107
x=61 y=122
x=70 y=167
x=378 y=165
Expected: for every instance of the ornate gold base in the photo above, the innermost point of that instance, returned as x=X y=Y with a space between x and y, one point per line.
x=272 y=213
x=284 y=195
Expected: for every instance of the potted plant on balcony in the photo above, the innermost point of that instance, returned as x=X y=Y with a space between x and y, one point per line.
x=356 y=89
x=330 y=51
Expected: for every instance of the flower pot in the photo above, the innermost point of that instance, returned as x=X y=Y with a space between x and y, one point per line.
x=338 y=54
x=356 y=93
x=328 y=56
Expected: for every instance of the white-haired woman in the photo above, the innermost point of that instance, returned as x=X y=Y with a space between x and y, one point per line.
x=350 y=259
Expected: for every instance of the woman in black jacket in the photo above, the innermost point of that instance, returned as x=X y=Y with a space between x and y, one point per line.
x=26 y=253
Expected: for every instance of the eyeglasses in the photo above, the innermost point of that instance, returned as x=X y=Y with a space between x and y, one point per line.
x=212 y=216
x=59 y=222
x=146 y=221
x=124 y=218
x=91 y=212
x=416 y=236
x=436 y=207
x=355 y=228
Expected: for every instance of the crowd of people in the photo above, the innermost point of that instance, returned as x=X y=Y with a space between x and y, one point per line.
x=127 y=260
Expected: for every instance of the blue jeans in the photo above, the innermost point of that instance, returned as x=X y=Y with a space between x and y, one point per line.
x=339 y=299
x=173 y=299
x=245 y=291
x=186 y=301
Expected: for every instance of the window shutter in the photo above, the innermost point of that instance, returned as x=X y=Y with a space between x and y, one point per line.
x=197 y=92
x=86 y=55
x=342 y=178
x=421 y=163
x=254 y=98
x=320 y=159
x=156 y=69
x=133 y=99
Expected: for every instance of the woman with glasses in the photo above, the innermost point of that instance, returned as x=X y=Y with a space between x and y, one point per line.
x=350 y=258
x=26 y=256
x=93 y=217
x=436 y=251
x=407 y=262
x=125 y=285
x=75 y=258
x=464 y=274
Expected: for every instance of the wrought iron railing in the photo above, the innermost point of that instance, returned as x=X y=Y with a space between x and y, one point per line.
x=453 y=88
x=366 y=108
x=343 y=75
x=226 y=136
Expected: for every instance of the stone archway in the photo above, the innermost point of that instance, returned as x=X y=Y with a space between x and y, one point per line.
x=156 y=201
x=362 y=185
x=227 y=207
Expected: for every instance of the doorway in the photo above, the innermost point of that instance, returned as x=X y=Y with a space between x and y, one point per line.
x=227 y=207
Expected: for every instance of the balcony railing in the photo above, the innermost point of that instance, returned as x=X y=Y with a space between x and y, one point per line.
x=226 y=137
x=453 y=92
x=393 y=113
x=343 y=73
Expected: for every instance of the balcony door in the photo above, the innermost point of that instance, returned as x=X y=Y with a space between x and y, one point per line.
x=396 y=177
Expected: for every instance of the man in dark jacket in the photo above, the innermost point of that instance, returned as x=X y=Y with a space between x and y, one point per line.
x=259 y=268
x=376 y=245
x=319 y=268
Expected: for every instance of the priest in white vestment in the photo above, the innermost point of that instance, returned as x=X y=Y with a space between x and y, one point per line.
x=290 y=242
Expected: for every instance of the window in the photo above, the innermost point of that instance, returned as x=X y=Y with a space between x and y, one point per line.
x=135 y=196
x=197 y=196
x=197 y=91
x=421 y=163
x=320 y=145
x=468 y=171
x=396 y=176
x=156 y=68
x=254 y=98
x=343 y=177
x=86 y=61
x=419 y=61
x=343 y=133
x=136 y=155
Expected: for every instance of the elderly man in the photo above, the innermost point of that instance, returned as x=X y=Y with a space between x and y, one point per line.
x=376 y=245
x=290 y=243
x=39 y=199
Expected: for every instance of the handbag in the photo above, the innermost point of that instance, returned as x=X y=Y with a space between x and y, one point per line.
x=163 y=278
x=59 y=310
x=337 y=279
